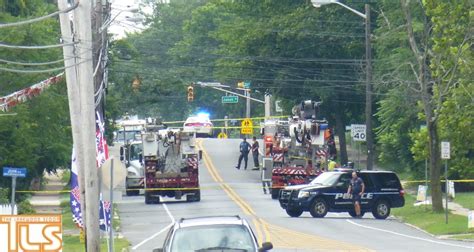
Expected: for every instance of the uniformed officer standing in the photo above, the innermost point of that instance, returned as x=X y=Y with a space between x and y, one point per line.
x=356 y=188
x=244 y=153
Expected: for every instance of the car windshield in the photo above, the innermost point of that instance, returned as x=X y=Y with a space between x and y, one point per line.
x=326 y=179
x=129 y=135
x=213 y=238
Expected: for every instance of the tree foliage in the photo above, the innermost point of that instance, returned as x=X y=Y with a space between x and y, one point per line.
x=287 y=48
x=38 y=137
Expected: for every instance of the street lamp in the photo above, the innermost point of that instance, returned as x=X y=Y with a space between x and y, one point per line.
x=132 y=9
x=368 y=84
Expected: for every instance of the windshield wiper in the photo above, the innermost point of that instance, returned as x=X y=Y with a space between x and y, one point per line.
x=219 y=248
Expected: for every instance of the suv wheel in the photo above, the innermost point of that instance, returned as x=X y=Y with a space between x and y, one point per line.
x=319 y=208
x=294 y=212
x=353 y=213
x=381 y=210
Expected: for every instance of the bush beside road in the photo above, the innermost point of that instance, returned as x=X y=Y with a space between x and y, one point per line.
x=433 y=223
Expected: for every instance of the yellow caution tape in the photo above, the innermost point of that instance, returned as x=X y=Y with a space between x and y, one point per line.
x=429 y=181
x=236 y=119
x=215 y=187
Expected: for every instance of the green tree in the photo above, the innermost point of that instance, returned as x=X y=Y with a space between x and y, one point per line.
x=38 y=136
x=428 y=44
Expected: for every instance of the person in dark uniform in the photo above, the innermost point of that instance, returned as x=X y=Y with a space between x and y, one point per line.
x=356 y=188
x=255 y=147
x=244 y=153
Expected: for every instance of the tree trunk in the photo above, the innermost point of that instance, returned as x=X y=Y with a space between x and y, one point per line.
x=435 y=171
x=341 y=133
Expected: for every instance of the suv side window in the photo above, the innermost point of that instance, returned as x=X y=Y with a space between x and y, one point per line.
x=367 y=180
x=388 y=180
x=345 y=179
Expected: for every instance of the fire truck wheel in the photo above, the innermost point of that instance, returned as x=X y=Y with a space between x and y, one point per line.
x=149 y=199
x=319 y=208
x=275 y=193
x=294 y=212
x=196 y=197
x=131 y=192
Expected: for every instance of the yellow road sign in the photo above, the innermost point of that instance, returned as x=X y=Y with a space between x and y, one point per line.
x=247 y=127
x=222 y=135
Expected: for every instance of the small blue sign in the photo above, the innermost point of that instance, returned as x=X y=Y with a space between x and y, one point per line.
x=14 y=172
x=247 y=84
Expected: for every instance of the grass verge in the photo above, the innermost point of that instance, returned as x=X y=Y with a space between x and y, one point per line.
x=429 y=221
x=465 y=199
x=73 y=244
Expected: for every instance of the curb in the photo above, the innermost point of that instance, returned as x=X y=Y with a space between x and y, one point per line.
x=441 y=237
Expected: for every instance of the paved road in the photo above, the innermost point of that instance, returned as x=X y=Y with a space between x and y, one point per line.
x=228 y=191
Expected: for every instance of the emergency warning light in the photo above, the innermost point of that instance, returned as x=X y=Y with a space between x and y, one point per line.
x=190 y=94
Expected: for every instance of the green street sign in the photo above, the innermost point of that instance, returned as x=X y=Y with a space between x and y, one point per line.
x=230 y=99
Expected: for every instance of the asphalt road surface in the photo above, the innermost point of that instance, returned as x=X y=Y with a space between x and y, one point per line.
x=228 y=191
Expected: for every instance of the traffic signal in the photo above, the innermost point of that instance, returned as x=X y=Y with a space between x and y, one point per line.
x=136 y=84
x=190 y=94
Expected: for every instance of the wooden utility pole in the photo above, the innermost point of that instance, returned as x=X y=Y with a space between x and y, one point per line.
x=83 y=25
x=70 y=61
x=368 y=91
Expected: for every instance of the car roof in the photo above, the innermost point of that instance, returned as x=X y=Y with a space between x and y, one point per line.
x=197 y=119
x=210 y=220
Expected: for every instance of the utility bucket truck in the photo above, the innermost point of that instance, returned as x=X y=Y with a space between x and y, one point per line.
x=295 y=147
x=171 y=161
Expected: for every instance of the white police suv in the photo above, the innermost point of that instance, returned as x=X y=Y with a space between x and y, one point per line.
x=328 y=193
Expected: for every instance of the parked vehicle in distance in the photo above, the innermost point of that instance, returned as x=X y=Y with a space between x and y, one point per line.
x=215 y=233
x=328 y=193
x=201 y=124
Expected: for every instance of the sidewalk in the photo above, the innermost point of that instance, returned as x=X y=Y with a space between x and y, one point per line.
x=454 y=207
x=49 y=203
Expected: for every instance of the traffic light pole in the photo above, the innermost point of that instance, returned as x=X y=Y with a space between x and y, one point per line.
x=247 y=110
x=218 y=86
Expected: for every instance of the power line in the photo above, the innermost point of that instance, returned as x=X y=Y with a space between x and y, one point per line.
x=34 y=20
x=39 y=70
x=36 y=47
x=31 y=63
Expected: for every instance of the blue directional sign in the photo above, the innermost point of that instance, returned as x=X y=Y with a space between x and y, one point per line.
x=246 y=84
x=14 y=172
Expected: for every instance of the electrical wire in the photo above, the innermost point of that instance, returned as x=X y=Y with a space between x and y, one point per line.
x=34 y=20
x=36 y=47
x=39 y=70
x=31 y=64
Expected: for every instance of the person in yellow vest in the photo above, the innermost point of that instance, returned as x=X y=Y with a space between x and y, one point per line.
x=331 y=165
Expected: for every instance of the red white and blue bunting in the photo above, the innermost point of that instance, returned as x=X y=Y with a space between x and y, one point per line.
x=6 y=102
